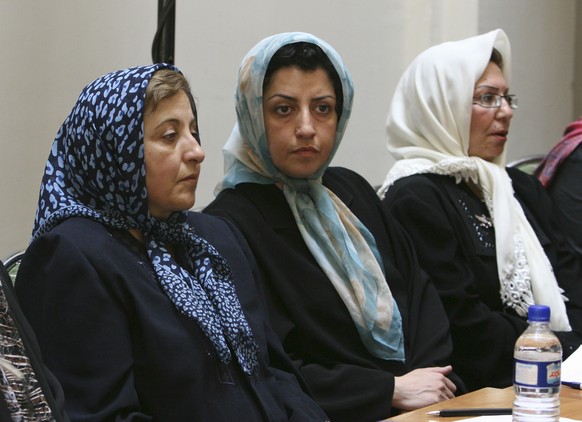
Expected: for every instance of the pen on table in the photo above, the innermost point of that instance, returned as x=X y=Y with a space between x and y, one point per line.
x=576 y=385
x=471 y=412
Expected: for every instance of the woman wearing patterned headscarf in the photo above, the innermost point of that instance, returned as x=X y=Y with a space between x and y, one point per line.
x=345 y=293
x=143 y=310
x=482 y=232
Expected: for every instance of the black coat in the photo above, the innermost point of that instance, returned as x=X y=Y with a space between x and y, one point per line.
x=309 y=316
x=566 y=193
x=457 y=250
x=123 y=352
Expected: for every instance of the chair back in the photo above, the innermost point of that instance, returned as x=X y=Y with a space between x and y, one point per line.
x=12 y=264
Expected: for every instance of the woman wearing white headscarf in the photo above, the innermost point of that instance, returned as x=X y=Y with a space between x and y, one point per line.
x=345 y=293
x=482 y=231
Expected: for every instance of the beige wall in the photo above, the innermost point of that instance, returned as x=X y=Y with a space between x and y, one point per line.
x=51 y=49
x=542 y=35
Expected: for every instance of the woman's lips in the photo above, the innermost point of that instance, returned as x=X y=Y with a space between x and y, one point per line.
x=306 y=151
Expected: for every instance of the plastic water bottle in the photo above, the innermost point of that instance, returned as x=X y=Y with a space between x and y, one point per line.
x=537 y=369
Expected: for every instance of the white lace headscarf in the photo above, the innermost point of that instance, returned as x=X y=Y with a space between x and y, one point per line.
x=428 y=132
x=343 y=247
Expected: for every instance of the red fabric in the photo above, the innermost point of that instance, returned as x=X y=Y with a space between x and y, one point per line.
x=570 y=140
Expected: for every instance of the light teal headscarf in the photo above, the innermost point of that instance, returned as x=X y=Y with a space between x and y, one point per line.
x=340 y=243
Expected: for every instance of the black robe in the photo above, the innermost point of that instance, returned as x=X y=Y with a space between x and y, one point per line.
x=566 y=193
x=121 y=349
x=309 y=316
x=451 y=231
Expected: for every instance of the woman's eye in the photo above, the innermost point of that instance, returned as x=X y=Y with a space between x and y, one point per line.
x=323 y=108
x=169 y=136
x=283 y=109
x=488 y=98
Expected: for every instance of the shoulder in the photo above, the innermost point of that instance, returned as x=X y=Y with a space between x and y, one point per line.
x=347 y=184
x=423 y=180
x=82 y=243
x=520 y=176
x=212 y=228
x=78 y=233
x=576 y=155
x=569 y=170
x=419 y=185
x=203 y=223
x=243 y=195
x=523 y=183
x=220 y=233
x=250 y=205
x=529 y=191
x=79 y=256
x=336 y=174
x=79 y=226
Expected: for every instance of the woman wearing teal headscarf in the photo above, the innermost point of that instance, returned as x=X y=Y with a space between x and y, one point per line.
x=345 y=293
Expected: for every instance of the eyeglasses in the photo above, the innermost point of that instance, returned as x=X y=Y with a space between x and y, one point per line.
x=494 y=100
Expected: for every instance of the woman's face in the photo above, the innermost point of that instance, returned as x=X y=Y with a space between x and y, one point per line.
x=300 y=120
x=172 y=156
x=490 y=126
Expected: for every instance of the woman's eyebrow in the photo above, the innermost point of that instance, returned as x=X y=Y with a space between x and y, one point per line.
x=175 y=121
x=324 y=97
x=285 y=97
x=291 y=98
x=487 y=87
x=171 y=120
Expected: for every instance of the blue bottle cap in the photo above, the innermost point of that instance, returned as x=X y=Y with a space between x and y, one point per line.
x=538 y=313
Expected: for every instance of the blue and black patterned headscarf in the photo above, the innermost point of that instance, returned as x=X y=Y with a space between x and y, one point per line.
x=96 y=170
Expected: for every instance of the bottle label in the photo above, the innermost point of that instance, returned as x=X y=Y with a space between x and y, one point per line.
x=537 y=374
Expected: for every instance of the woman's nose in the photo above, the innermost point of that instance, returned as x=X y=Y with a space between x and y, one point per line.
x=504 y=109
x=305 y=126
x=194 y=151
